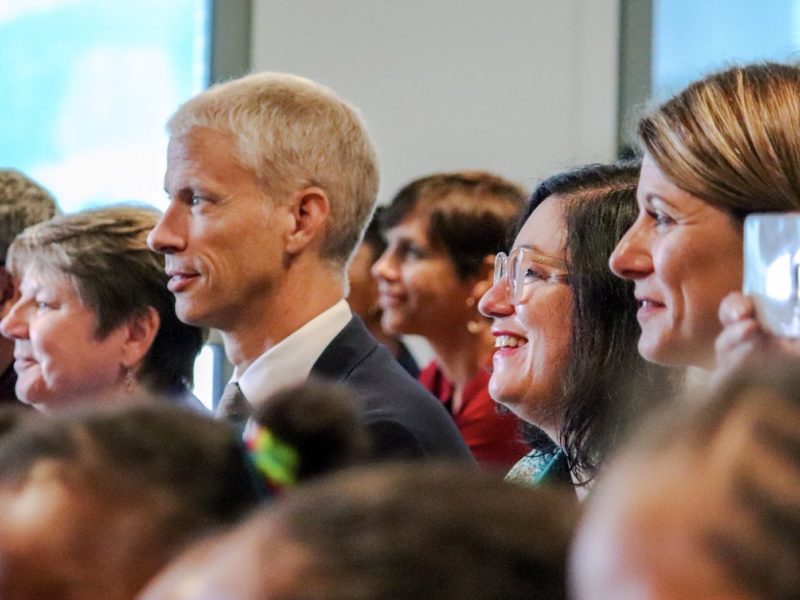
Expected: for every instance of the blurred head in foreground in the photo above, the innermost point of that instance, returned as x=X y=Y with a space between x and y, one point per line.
x=400 y=532
x=95 y=503
x=705 y=507
x=305 y=431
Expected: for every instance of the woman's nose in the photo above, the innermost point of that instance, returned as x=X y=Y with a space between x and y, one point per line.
x=15 y=324
x=495 y=302
x=384 y=268
x=631 y=259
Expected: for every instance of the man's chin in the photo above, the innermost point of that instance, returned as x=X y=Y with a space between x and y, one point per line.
x=191 y=314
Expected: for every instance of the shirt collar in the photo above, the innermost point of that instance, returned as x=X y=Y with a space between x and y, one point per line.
x=289 y=362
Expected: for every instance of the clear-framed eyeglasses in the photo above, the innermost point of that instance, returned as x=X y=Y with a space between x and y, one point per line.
x=523 y=268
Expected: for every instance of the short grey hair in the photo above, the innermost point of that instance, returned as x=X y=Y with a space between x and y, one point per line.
x=293 y=133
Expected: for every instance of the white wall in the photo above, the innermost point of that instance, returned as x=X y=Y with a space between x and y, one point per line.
x=519 y=87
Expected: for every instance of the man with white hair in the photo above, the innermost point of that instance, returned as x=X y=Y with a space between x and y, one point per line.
x=272 y=179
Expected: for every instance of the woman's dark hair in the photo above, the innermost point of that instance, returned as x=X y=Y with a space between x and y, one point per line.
x=373 y=234
x=468 y=214
x=604 y=364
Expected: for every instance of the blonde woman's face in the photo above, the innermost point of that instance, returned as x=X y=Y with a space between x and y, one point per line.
x=58 y=359
x=683 y=255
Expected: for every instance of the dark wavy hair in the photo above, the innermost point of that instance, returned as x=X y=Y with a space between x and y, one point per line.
x=468 y=212
x=604 y=367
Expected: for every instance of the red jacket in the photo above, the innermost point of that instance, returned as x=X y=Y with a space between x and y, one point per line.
x=493 y=438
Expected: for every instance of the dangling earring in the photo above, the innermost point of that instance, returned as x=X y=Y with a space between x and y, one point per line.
x=473 y=326
x=129 y=381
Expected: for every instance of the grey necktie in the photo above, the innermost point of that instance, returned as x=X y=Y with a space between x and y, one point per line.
x=233 y=406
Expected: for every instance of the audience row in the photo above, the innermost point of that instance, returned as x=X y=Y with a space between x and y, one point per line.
x=591 y=344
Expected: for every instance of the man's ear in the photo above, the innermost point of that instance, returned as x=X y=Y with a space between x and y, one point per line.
x=484 y=279
x=140 y=331
x=310 y=208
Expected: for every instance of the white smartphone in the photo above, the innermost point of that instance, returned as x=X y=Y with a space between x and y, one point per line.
x=772 y=270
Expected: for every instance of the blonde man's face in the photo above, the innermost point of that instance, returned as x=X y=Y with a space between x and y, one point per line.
x=222 y=237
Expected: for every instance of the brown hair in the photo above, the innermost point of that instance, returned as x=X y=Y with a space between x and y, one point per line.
x=732 y=139
x=469 y=213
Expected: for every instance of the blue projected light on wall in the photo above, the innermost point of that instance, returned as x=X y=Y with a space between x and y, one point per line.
x=87 y=88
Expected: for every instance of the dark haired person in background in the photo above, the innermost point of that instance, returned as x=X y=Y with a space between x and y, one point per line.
x=443 y=232
x=363 y=296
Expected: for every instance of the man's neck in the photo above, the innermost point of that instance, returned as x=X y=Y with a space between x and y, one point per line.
x=298 y=301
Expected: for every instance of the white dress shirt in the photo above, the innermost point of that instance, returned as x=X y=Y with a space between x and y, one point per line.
x=289 y=362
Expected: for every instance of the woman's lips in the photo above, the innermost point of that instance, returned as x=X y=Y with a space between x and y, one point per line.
x=389 y=300
x=647 y=308
x=23 y=362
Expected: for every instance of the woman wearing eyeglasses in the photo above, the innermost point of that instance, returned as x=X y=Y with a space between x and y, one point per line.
x=565 y=326
x=442 y=233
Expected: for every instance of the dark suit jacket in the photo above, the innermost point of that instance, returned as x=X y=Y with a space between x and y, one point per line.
x=404 y=419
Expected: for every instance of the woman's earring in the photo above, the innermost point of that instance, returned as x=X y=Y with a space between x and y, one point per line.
x=473 y=326
x=129 y=381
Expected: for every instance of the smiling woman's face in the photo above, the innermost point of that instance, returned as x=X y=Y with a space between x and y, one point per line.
x=684 y=255
x=532 y=336
x=420 y=291
x=58 y=358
